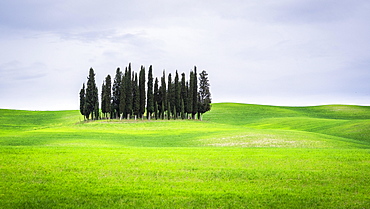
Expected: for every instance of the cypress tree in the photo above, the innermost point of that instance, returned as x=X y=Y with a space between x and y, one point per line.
x=156 y=97
x=142 y=91
x=83 y=101
x=123 y=95
x=128 y=89
x=163 y=94
x=182 y=109
x=168 y=111
x=174 y=113
x=103 y=103
x=170 y=95
x=108 y=94
x=177 y=95
x=162 y=113
x=195 y=92
x=156 y=110
x=96 y=103
x=92 y=100
x=204 y=93
x=116 y=98
x=136 y=97
x=190 y=93
x=150 y=97
x=183 y=94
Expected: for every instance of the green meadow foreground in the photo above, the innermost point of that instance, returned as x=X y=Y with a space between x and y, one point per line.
x=240 y=156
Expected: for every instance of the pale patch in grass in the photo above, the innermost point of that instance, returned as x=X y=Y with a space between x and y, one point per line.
x=261 y=140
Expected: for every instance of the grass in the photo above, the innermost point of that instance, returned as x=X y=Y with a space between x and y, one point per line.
x=240 y=156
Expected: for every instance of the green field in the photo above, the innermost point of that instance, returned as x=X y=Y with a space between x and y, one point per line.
x=239 y=156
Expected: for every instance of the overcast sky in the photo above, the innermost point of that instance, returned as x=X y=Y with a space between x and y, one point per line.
x=285 y=52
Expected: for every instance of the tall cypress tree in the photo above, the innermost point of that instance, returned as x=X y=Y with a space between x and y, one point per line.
x=108 y=95
x=128 y=89
x=96 y=103
x=163 y=103
x=136 y=97
x=182 y=109
x=190 y=93
x=150 y=96
x=195 y=92
x=156 y=98
x=183 y=94
x=92 y=100
x=103 y=103
x=177 y=95
x=116 y=98
x=83 y=101
x=204 y=94
x=123 y=95
x=170 y=95
x=142 y=91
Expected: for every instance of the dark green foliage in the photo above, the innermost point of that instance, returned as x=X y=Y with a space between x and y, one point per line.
x=204 y=93
x=123 y=94
x=116 y=99
x=128 y=96
x=102 y=98
x=156 y=98
x=182 y=109
x=150 y=97
x=162 y=112
x=83 y=101
x=177 y=95
x=142 y=91
x=184 y=90
x=128 y=92
x=136 y=96
x=156 y=110
x=108 y=94
x=170 y=97
x=190 y=93
x=194 y=91
x=163 y=94
x=92 y=100
x=168 y=111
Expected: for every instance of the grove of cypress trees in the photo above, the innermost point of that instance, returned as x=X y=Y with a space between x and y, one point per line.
x=176 y=99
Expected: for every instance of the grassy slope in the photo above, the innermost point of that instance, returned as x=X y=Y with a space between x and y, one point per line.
x=48 y=159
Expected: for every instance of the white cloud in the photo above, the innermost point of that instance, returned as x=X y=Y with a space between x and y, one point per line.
x=291 y=52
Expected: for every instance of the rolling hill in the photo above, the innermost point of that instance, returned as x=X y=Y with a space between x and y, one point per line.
x=239 y=156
